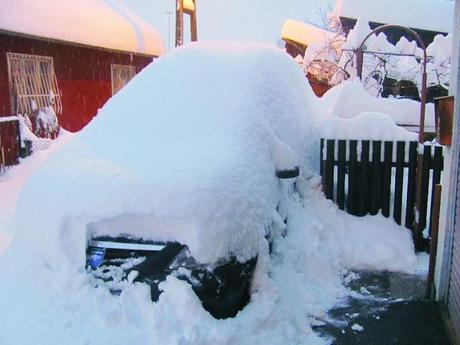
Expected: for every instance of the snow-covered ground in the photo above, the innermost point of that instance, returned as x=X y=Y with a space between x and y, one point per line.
x=13 y=179
x=44 y=301
x=302 y=279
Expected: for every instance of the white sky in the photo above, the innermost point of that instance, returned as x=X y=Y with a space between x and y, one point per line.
x=250 y=20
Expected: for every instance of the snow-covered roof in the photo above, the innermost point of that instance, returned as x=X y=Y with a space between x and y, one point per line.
x=303 y=33
x=432 y=15
x=189 y=5
x=99 y=23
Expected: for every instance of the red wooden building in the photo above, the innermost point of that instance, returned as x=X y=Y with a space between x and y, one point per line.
x=66 y=59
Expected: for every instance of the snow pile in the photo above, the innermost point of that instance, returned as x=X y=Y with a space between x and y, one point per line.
x=208 y=160
x=99 y=23
x=433 y=15
x=366 y=126
x=349 y=99
x=234 y=102
x=14 y=178
x=302 y=277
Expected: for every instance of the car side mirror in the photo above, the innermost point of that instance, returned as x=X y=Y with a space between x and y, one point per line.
x=287 y=174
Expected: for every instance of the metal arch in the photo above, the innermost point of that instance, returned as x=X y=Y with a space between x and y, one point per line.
x=360 y=57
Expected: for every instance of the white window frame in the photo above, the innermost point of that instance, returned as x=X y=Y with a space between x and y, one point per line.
x=121 y=75
x=33 y=84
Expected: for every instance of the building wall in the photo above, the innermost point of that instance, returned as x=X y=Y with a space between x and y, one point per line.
x=449 y=181
x=449 y=221
x=83 y=75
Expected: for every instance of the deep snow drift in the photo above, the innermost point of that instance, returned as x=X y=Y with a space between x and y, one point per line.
x=48 y=298
x=194 y=161
x=349 y=99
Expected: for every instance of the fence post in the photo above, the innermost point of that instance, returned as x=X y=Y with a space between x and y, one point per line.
x=353 y=179
x=386 y=192
x=376 y=177
x=341 y=157
x=364 y=185
x=421 y=197
x=410 y=200
x=400 y=153
x=329 y=170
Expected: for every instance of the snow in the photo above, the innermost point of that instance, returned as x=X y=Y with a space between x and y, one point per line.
x=189 y=5
x=98 y=23
x=433 y=15
x=357 y=327
x=303 y=33
x=302 y=277
x=441 y=52
x=358 y=33
x=99 y=180
x=249 y=97
x=349 y=99
x=366 y=126
x=8 y=118
x=47 y=119
x=13 y=180
x=283 y=156
x=394 y=66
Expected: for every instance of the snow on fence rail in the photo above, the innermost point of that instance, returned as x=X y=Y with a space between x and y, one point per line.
x=365 y=177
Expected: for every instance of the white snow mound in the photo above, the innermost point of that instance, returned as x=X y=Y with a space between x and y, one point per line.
x=188 y=143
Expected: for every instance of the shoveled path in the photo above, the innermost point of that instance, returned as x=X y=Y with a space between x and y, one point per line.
x=387 y=308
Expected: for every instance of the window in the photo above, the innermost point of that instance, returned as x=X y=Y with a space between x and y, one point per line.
x=33 y=84
x=121 y=74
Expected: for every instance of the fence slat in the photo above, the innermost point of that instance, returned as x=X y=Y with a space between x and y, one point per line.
x=321 y=159
x=353 y=178
x=437 y=168
x=341 y=174
x=410 y=200
x=329 y=170
x=386 y=178
x=375 y=180
x=364 y=180
x=424 y=186
x=399 y=180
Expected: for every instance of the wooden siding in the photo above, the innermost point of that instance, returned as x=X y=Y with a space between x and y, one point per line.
x=453 y=300
x=83 y=75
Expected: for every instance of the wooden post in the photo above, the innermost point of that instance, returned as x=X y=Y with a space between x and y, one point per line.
x=179 y=23
x=341 y=170
x=411 y=186
x=193 y=24
x=434 y=239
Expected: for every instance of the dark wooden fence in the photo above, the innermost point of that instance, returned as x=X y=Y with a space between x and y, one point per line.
x=367 y=177
x=9 y=141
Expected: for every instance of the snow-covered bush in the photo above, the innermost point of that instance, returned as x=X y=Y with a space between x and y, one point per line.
x=320 y=60
x=46 y=123
x=43 y=122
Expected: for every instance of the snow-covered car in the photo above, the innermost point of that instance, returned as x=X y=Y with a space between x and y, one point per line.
x=182 y=173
